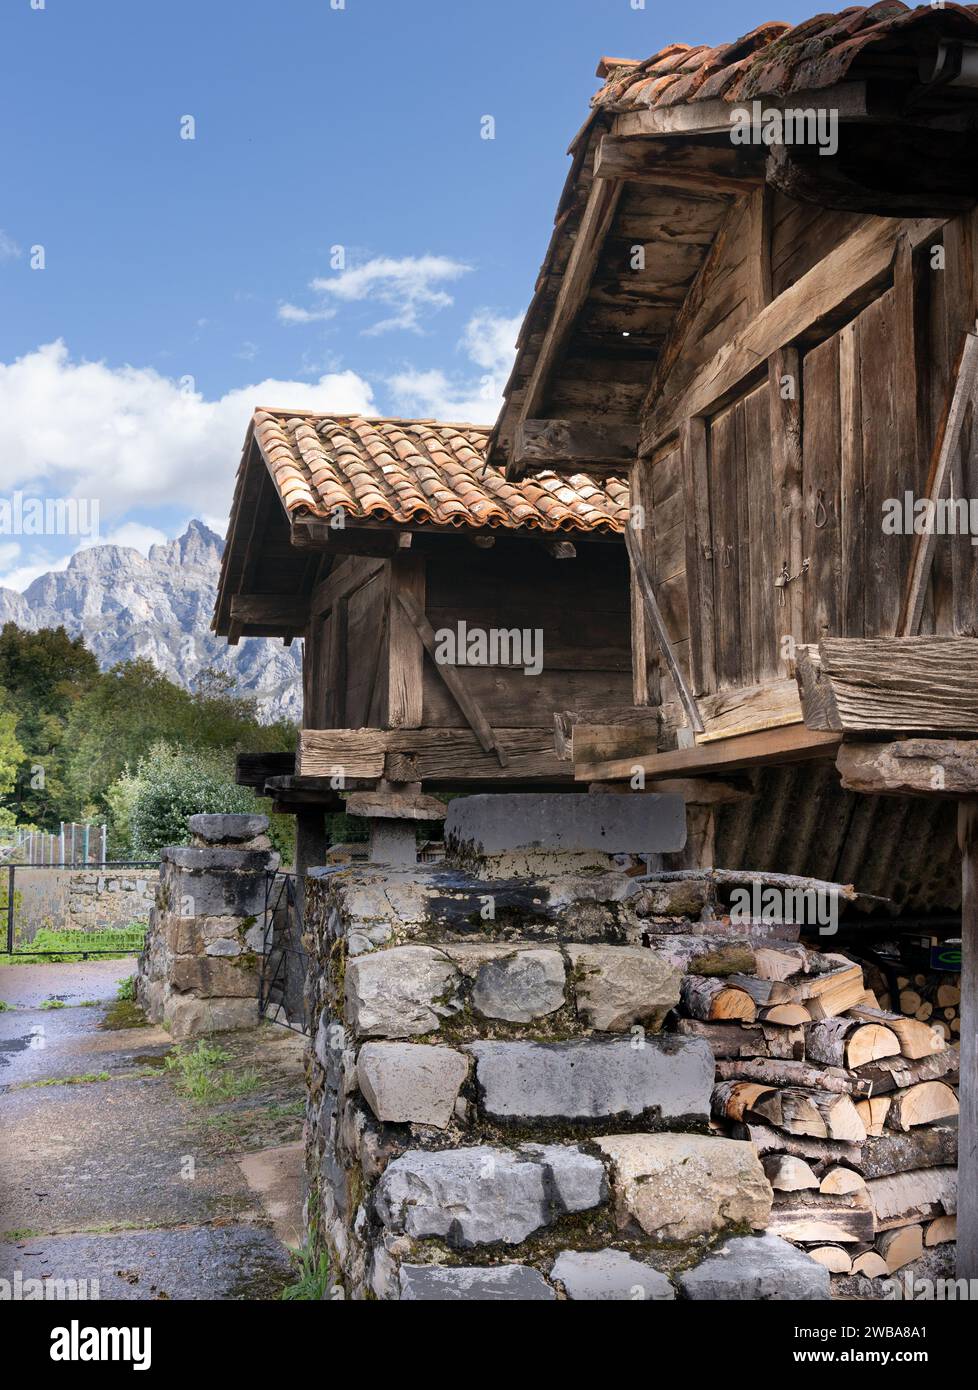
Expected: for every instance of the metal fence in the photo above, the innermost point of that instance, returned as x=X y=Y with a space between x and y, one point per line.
x=70 y=943
x=285 y=963
x=76 y=843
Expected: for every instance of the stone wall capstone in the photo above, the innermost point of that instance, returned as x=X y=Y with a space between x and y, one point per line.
x=199 y=971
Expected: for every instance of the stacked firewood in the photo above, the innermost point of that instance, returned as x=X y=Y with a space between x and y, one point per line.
x=932 y=997
x=852 y=1107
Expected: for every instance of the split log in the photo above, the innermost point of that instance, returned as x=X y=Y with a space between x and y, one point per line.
x=821 y=1114
x=785 y=1015
x=725 y=1039
x=840 y=1181
x=841 y=995
x=785 y=1073
x=784 y=1042
x=902 y=1153
x=907 y=1198
x=780 y=962
x=712 y=999
x=871 y=1265
x=901 y=1247
x=833 y=1257
x=941 y=1230
x=921 y=1105
x=836 y=1219
x=787 y=1173
x=873 y=1113
x=845 y=1042
x=874 y=685
x=767 y=1140
x=800 y=989
x=916 y=1039
x=894 y=1073
x=732 y=1099
x=702 y=955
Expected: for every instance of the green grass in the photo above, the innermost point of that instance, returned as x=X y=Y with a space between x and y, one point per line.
x=51 y=945
x=5 y=1008
x=82 y=1080
x=202 y=1074
x=126 y=993
x=53 y=1004
x=312 y=1277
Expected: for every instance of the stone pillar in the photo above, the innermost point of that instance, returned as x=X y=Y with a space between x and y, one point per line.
x=199 y=970
x=310 y=848
x=494 y=1111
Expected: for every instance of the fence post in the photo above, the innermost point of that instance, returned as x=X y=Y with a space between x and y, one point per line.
x=85 y=851
x=10 y=910
x=105 y=842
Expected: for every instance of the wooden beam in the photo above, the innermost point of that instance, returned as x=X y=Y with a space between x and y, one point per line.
x=253 y=769
x=864 y=258
x=693 y=450
x=849 y=99
x=659 y=628
x=405 y=652
x=946 y=443
x=466 y=702
x=792 y=744
x=597 y=218
x=344 y=540
x=890 y=684
x=749 y=709
x=967 y=1233
x=270 y=610
x=911 y=767
x=338 y=584
x=697 y=168
x=574 y=443
x=442 y=756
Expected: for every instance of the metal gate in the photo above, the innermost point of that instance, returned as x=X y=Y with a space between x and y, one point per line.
x=285 y=961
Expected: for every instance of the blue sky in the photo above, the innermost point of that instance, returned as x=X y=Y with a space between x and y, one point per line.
x=186 y=280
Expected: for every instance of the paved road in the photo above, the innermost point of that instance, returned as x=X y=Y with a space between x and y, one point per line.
x=120 y=1179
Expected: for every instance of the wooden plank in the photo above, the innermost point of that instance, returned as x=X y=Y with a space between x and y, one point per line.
x=659 y=629
x=288 y=612
x=477 y=721
x=791 y=744
x=598 y=215
x=699 y=169
x=784 y=406
x=646 y=687
x=253 y=769
x=911 y=767
x=405 y=652
x=759 y=247
x=849 y=99
x=852 y=495
x=699 y=554
x=574 y=443
x=635 y=716
x=881 y=685
x=749 y=709
x=763 y=557
x=967 y=1253
x=727 y=468
x=444 y=756
x=347 y=575
x=861 y=260
x=820 y=536
x=946 y=443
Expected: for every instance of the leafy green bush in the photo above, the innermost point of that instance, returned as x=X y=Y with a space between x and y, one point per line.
x=168 y=787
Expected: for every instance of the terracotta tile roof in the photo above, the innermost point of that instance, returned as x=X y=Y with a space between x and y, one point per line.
x=774 y=59
x=411 y=471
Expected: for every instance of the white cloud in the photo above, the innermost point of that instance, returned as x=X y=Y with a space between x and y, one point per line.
x=130 y=437
x=411 y=286
x=292 y=313
x=133 y=534
x=9 y=250
x=22 y=576
x=489 y=342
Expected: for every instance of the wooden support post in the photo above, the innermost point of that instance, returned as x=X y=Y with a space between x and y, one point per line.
x=310 y=849
x=967 y=1253
x=659 y=629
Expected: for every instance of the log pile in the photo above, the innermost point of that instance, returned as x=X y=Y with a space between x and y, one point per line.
x=932 y=997
x=851 y=1105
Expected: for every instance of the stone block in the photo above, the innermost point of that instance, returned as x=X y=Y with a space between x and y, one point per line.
x=503 y=823
x=227 y=829
x=601 y=1275
x=186 y=1016
x=401 y=992
x=212 y=977
x=520 y=987
x=411 y=1083
x=667 y=1079
x=676 y=1187
x=620 y=986
x=757 y=1269
x=455 y=1283
x=485 y=1194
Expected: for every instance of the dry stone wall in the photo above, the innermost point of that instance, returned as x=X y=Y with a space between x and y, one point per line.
x=494 y=1112
x=199 y=971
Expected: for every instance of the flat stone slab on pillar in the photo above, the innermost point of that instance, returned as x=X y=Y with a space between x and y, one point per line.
x=609 y=823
